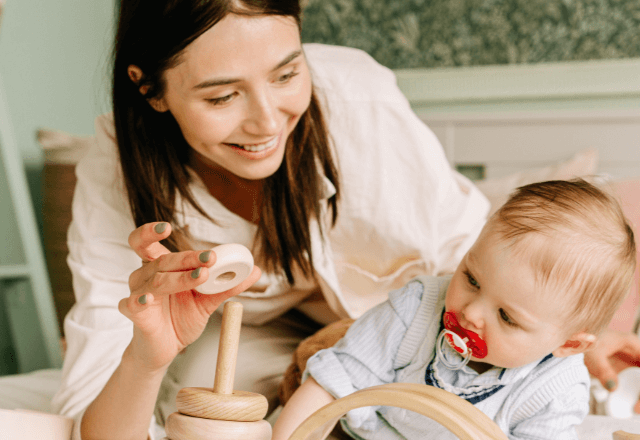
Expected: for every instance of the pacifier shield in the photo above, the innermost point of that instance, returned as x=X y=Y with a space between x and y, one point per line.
x=466 y=338
x=456 y=342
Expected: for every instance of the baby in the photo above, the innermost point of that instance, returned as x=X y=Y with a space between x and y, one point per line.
x=505 y=332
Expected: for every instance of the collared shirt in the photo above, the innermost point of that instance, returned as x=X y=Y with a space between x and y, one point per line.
x=395 y=343
x=403 y=212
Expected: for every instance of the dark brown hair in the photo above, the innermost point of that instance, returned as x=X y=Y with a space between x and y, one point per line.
x=154 y=155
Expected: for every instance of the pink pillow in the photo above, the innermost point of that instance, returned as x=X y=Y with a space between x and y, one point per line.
x=628 y=192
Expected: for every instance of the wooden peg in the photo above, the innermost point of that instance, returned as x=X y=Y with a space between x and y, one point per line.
x=228 y=348
x=222 y=402
x=220 y=412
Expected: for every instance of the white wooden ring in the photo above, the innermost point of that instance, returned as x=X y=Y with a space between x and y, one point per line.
x=233 y=265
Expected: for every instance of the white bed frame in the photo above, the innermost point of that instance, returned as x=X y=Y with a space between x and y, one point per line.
x=509 y=118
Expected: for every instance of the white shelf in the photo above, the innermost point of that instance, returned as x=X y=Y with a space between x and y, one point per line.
x=15 y=271
x=25 y=291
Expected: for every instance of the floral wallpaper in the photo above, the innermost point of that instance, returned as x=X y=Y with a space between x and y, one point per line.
x=441 y=33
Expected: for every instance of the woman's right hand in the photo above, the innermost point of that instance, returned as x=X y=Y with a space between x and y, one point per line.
x=167 y=313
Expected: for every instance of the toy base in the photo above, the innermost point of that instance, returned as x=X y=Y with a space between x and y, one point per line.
x=181 y=427
x=240 y=406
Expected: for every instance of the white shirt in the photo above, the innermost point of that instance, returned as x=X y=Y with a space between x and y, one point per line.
x=403 y=212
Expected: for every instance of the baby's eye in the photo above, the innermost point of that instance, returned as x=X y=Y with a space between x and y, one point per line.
x=472 y=280
x=506 y=318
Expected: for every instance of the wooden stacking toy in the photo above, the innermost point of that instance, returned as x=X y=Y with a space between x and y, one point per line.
x=456 y=414
x=221 y=413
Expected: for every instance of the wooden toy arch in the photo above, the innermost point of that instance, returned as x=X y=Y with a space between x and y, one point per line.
x=456 y=414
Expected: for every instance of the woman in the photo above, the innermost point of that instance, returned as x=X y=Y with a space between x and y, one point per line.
x=225 y=129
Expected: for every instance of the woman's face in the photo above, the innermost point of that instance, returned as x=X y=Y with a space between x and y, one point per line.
x=238 y=92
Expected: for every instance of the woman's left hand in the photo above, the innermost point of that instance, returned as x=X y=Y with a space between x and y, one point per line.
x=171 y=314
x=613 y=352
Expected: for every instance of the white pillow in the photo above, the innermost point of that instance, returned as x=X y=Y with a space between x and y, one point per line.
x=63 y=148
x=582 y=164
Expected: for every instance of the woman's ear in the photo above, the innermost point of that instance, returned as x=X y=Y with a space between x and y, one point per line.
x=135 y=75
x=578 y=343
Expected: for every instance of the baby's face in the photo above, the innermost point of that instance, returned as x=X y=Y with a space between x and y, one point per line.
x=495 y=294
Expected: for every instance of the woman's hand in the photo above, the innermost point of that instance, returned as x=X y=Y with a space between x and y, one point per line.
x=167 y=313
x=613 y=352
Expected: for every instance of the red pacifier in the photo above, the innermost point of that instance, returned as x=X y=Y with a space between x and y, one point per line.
x=465 y=342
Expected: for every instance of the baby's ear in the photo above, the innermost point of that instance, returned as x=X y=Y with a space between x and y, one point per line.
x=578 y=343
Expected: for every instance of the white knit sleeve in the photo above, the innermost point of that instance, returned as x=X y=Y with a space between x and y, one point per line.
x=365 y=356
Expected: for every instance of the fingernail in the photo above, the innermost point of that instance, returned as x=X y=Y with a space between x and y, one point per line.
x=611 y=384
x=204 y=257
x=196 y=273
x=142 y=299
x=160 y=227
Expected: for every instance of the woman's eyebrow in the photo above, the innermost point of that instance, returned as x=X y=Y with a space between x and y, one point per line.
x=292 y=56
x=224 y=81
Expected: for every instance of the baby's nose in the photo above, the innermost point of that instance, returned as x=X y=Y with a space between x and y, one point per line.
x=473 y=317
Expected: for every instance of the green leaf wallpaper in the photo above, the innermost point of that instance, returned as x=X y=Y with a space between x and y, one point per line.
x=444 y=33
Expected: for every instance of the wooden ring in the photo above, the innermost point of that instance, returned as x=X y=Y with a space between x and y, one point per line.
x=240 y=406
x=181 y=427
x=451 y=411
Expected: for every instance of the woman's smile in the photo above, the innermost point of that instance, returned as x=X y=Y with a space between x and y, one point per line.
x=256 y=151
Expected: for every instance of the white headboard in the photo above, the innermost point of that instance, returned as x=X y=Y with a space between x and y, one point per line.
x=508 y=118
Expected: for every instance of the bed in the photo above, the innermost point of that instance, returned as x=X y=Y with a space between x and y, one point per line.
x=502 y=126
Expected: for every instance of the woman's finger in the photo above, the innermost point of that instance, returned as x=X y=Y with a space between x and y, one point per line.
x=632 y=348
x=186 y=260
x=134 y=304
x=167 y=283
x=145 y=240
x=598 y=359
x=171 y=262
x=602 y=369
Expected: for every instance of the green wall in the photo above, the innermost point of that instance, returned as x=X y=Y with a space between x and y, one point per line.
x=53 y=64
x=54 y=58
x=54 y=55
x=445 y=33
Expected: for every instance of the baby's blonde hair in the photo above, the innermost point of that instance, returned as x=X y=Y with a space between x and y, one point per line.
x=578 y=242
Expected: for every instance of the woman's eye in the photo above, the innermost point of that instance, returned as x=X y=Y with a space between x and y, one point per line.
x=506 y=318
x=286 y=77
x=221 y=100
